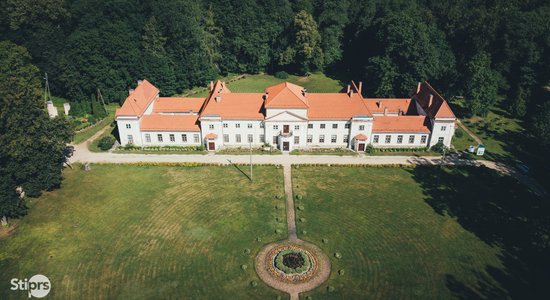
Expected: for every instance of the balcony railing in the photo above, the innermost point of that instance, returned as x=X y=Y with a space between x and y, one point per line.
x=286 y=134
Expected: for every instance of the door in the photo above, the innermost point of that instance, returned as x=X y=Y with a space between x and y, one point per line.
x=211 y=146
x=361 y=147
x=285 y=128
x=286 y=146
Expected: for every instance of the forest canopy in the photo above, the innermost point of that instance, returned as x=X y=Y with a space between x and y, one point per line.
x=486 y=51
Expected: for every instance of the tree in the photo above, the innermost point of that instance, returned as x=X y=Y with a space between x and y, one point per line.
x=482 y=85
x=32 y=146
x=305 y=51
x=541 y=124
x=332 y=18
x=214 y=35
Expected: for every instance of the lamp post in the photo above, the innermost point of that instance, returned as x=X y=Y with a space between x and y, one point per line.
x=250 y=161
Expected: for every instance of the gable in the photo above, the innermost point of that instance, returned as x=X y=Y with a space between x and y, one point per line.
x=286 y=116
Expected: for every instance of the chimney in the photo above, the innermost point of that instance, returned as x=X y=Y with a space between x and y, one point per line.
x=211 y=85
x=349 y=88
x=265 y=96
x=351 y=93
x=304 y=91
x=140 y=82
x=360 y=87
x=218 y=98
x=379 y=103
x=130 y=91
x=418 y=87
x=385 y=111
x=431 y=100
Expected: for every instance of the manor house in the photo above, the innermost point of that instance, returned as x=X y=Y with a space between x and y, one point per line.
x=286 y=116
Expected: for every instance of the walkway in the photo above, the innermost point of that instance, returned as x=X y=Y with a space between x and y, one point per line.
x=470 y=133
x=323 y=262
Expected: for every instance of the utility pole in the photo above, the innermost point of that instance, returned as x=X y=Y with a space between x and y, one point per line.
x=250 y=161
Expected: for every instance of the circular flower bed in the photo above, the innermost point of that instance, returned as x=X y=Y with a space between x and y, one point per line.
x=291 y=263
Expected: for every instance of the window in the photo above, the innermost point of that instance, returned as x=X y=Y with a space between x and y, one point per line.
x=322 y=126
x=224 y=125
x=226 y=138
x=262 y=125
x=238 y=138
x=274 y=140
x=130 y=139
x=322 y=138
x=333 y=138
x=251 y=138
x=443 y=128
x=172 y=138
x=159 y=137
x=296 y=127
x=310 y=138
x=275 y=127
x=346 y=138
x=211 y=126
x=361 y=127
x=296 y=139
x=147 y=138
x=375 y=139
x=388 y=139
x=249 y=125
x=184 y=138
x=440 y=139
x=262 y=138
x=334 y=126
x=411 y=139
x=347 y=126
x=237 y=125
x=128 y=126
x=196 y=138
x=400 y=139
x=423 y=139
x=310 y=126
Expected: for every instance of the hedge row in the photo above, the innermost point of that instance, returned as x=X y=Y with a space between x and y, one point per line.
x=297 y=166
x=131 y=147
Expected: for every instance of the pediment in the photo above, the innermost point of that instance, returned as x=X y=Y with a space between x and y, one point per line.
x=286 y=116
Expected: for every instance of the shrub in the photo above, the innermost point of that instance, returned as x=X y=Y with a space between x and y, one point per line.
x=253 y=283
x=301 y=207
x=459 y=133
x=440 y=148
x=370 y=149
x=330 y=289
x=341 y=272
x=106 y=142
x=324 y=241
x=280 y=265
x=281 y=75
x=338 y=255
x=278 y=231
x=246 y=251
x=244 y=267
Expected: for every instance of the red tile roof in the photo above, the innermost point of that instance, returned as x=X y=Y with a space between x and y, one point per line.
x=439 y=108
x=211 y=136
x=394 y=105
x=137 y=102
x=286 y=95
x=176 y=104
x=340 y=106
x=400 y=124
x=158 y=122
x=361 y=137
x=236 y=106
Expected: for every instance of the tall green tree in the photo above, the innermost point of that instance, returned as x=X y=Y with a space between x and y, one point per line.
x=482 y=85
x=158 y=67
x=32 y=146
x=332 y=16
x=305 y=51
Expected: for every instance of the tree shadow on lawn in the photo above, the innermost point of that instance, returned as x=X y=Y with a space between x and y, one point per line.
x=502 y=213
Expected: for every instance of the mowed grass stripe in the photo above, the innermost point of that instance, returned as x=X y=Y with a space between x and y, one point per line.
x=133 y=232
x=393 y=245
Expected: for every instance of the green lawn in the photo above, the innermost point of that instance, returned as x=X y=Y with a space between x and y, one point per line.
x=416 y=233
x=87 y=133
x=464 y=141
x=149 y=232
x=315 y=83
x=328 y=151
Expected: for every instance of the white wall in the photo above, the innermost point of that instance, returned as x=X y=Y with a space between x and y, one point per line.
x=232 y=130
x=270 y=112
x=166 y=138
x=444 y=129
x=134 y=131
x=393 y=142
x=328 y=132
